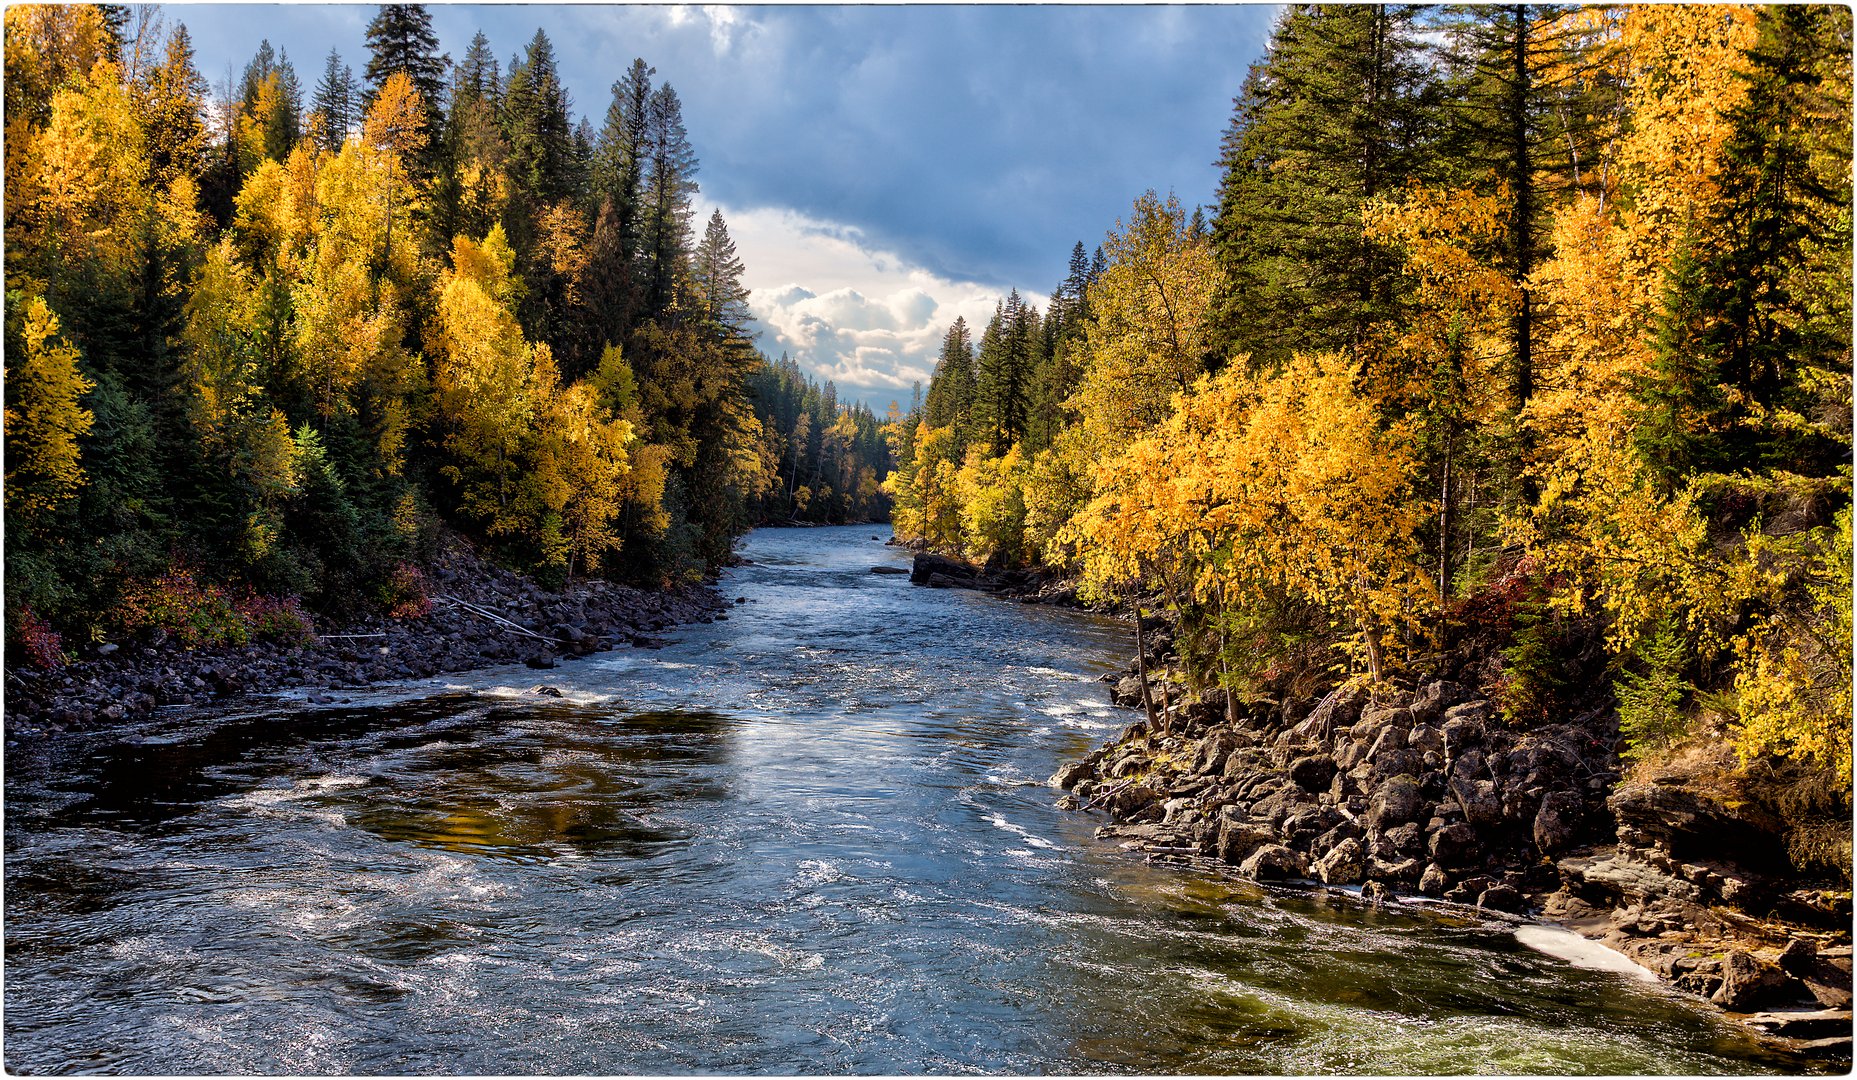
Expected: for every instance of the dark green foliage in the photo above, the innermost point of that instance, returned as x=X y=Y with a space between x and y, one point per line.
x=1338 y=113
x=951 y=388
x=1651 y=696
x=400 y=38
x=536 y=124
x=338 y=100
x=1010 y=355
x=830 y=458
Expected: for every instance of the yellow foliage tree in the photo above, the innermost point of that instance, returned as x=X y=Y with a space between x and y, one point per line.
x=45 y=416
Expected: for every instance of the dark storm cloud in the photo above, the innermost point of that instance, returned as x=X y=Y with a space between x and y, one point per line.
x=976 y=142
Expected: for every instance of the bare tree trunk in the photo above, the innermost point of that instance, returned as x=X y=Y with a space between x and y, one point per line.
x=1141 y=668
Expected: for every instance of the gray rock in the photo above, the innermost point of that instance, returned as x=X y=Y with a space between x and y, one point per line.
x=1434 y=880
x=1344 y=865
x=1313 y=773
x=1272 y=862
x=1071 y=772
x=1557 y=823
x=881 y=570
x=1239 y=840
x=1455 y=846
x=1394 y=803
x=1501 y=898
x=1478 y=799
x=1214 y=749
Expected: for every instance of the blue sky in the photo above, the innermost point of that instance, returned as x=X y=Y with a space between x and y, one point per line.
x=883 y=169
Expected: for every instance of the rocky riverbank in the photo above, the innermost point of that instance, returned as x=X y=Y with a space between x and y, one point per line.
x=1431 y=793
x=480 y=615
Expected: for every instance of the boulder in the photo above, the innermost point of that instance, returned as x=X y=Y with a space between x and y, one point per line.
x=1313 y=773
x=928 y=565
x=1339 y=709
x=1433 y=698
x=1399 y=842
x=1214 y=749
x=1272 y=862
x=1747 y=984
x=882 y=570
x=1344 y=865
x=1501 y=898
x=1071 y=772
x=1434 y=880
x=1455 y=846
x=1557 y=823
x=1395 y=802
x=1239 y=840
x=1478 y=799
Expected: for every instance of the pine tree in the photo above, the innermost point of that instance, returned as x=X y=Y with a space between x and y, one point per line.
x=172 y=99
x=717 y=271
x=670 y=183
x=1334 y=116
x=951 y=388
x=400 y=39
x=1003 y=379
x=535 y=121
x=336 y=101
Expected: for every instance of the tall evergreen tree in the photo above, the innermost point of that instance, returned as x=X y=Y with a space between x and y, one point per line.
x=1336 y=114
x=951 y=388
x=172 y=99
x=1003 y=377
x=717 y=272
x=337 y=100
x=536 y=123
x=670 y=184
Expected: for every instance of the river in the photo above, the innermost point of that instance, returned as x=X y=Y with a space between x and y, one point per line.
x=813 y=837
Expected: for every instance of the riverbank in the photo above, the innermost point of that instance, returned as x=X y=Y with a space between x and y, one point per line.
x=1431 y=795
x=479 y=614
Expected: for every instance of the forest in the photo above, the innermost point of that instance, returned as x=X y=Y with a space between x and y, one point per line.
x=1521 y=325
x=262 y=343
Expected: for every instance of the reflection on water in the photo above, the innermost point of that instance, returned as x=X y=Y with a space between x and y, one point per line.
x=813 y=837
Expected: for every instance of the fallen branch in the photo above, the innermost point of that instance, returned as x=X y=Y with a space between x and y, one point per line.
x=495 y=618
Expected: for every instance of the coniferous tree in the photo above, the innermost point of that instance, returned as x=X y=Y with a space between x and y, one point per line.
x=535 y=121
x=1004 y=372
x=336 y=100
x=951 y=389
x=172 y=97
x=1335 y=115
x=670 y=183
x=717 y=271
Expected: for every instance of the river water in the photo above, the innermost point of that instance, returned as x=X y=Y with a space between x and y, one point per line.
x=812 y=837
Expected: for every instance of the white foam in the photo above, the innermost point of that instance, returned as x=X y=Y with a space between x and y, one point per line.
x=1580 y=952
x=1030 y=840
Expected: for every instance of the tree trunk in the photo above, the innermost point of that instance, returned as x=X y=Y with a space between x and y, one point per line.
x=1141 y=669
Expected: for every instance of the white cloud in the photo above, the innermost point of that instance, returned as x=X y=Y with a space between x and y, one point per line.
x=847 y=311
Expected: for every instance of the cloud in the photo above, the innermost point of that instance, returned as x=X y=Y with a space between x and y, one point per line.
x=847 y=310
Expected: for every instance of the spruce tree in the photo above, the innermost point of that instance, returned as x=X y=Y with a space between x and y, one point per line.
x=670 y=184
x=337 y=100
x=536 y=123
x=717 y=271
x=1336 y=114
x=951 y=388
x=400 y=38
x=172 y=98
x=1003 y=378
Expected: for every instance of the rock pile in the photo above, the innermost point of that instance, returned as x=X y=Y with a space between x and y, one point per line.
x=1422 y=792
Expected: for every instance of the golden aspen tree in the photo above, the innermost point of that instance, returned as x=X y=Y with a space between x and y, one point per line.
x=45 y=415
x=1149 y=332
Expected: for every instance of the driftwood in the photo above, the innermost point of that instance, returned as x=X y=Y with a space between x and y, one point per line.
x=495 y=618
